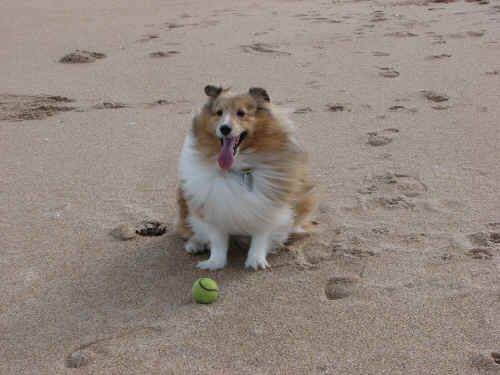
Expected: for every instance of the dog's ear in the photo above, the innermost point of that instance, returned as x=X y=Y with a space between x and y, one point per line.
x=259 y=94
x=213 y=91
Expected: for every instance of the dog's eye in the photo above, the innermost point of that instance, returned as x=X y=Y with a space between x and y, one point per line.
x=219 y=112
x=240 y=113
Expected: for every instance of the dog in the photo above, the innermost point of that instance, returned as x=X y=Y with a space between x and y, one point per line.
x=242 y=173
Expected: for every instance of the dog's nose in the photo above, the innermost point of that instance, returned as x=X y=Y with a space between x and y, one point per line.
x=225 y=129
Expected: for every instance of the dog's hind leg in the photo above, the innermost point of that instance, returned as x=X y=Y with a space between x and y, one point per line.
x=303 y=209
x=182 y=226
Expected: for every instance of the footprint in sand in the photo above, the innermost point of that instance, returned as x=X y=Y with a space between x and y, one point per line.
x=436 y=98
x=440 y=107
x=78 y=358
x=489 y=239
x=472 y=33
x=302 y=110
x=438 y=39
x=340 y=287
x=495 y=225
x=438 y=57
x=479 y=253
x=359 y=32
x=32 y=107
x=391 y=191
x=401 y=34
x=377 y=140
x=353 y=250
x=160 y=102
x=402 y=108
x=151 y=228
x=110 y=105
x=378 y=16
x=476 y=34
x=394 y=203
x=315 y=17
x=395 y=108
x=124 y=232
x=263 y=48
x=496 y=357
x=339 y=107
x=109 y=346
x=119 y=105
x=172 y=25
x=484 y=244
x=479 y=238
x=81 y=57
x=486 y=363
x=313 y=251
x=334 y=243
x=148 y=37
x=320 y=19
x=158 y=54
x=381 y=138
x=314 y=84
x=380 y=53
x=147 y=228
x=207 y=22
x=494 y=9
x=388 y=72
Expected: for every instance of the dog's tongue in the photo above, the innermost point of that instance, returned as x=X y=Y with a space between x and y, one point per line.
x=226 y=157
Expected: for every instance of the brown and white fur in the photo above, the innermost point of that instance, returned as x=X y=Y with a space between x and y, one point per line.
x=215 y=202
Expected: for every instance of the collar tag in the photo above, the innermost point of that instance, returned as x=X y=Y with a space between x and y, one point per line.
x=247 y=178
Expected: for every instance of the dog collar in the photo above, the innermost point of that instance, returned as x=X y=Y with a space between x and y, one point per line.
x=247 y=171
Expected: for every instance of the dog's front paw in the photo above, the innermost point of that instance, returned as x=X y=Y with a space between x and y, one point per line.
x=193 y=246
x=256 y=262
x=212 y=264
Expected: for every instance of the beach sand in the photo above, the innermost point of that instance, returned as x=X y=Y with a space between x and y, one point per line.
x=397 y=103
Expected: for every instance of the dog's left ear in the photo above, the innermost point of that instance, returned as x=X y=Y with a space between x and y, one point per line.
x=213 y=91
x=259 y=94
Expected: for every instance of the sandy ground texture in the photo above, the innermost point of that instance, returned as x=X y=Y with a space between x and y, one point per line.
x=397 y=102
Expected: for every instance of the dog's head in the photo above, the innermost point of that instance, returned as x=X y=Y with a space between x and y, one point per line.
x=229 y=124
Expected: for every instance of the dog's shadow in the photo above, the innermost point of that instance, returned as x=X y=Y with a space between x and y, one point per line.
x=149 y=276
x=142 y=287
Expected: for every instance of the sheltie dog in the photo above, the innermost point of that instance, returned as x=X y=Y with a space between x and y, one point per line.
x=242 y=173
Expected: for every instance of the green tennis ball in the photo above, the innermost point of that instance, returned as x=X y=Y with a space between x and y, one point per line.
x=205 y=290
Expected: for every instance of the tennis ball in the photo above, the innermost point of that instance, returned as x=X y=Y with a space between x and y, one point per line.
x=205 y=290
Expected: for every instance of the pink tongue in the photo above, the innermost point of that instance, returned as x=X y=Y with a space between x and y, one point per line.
x=226 y=156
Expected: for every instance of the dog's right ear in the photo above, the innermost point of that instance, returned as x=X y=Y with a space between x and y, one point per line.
x=213 y=91
x=259 y=94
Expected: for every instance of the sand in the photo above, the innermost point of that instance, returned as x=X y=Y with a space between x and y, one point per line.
x=397 y=103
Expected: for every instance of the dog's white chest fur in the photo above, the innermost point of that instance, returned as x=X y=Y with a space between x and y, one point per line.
x=229 y=201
